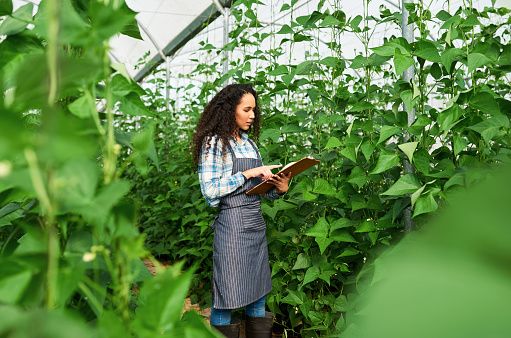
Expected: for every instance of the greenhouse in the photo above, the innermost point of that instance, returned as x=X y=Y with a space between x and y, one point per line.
x=255 y=168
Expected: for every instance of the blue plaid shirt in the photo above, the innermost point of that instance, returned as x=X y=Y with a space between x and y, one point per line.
x=215 y=170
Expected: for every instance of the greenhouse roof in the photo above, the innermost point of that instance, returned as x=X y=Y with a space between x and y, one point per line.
x=173 y=29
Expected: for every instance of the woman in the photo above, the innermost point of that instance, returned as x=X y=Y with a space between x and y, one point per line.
x=229 y=165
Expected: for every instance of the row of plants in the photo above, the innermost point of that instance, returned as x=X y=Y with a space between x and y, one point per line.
x=71 y=251
x=391 y=150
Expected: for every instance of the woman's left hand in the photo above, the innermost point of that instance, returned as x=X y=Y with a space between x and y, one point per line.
x=281 y=182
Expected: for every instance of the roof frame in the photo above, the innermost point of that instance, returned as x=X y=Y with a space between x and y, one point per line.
x=197 y=25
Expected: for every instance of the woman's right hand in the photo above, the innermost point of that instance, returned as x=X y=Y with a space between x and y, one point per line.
x=263 y=171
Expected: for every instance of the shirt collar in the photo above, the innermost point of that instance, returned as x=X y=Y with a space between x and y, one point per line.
x=244 y=138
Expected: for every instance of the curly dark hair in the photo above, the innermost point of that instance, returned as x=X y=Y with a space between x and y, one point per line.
x=219 y=119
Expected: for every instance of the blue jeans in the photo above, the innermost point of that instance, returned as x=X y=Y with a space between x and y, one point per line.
x=221 y=317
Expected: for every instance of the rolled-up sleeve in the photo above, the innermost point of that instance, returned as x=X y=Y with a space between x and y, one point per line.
x=214 y=184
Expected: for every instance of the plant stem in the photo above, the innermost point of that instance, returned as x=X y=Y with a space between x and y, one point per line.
x=52 y=48
x=49 y=226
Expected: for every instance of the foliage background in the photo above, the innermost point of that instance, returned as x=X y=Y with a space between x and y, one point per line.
x=377 y=167
x=76 y=185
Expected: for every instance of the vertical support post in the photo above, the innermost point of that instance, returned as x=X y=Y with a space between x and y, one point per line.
x=167 y=84
x=226 y=15
x=407 y=33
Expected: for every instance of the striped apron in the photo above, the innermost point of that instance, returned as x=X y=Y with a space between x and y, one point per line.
x=241 y=270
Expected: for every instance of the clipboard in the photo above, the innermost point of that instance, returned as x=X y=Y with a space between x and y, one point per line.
x=294 y=168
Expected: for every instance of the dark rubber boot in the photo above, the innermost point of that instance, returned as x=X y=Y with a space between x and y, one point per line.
x=259 y=327
x=229 y=331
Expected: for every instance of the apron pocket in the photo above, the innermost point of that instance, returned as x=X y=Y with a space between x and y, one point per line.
x=252 y=219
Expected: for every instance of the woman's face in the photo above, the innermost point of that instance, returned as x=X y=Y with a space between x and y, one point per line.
x=245 y=112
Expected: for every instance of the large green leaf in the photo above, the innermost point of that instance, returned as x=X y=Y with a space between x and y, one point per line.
x=449 y=56
x=14 y=280
x=476 y=60
x=485 y=102
x=425 y=204
x=83 y=107
x=406 y=184
x=385 y=162
x=333 y=142
x=402 y=62
x=408 y=148
x=73 y=29
x=449 y=117
x=427 y=50
x=490 y=127
x=5 y=7
x=161 y=301
x=320 y=229
x=386 y=132
x=311 y=275
x=321 y=186
x=350 y=153
x=18 y=21
x=302 y=262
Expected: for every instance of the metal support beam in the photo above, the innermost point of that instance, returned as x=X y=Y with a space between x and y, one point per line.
x=407 y=32
x=226 y=15
x=197 y=25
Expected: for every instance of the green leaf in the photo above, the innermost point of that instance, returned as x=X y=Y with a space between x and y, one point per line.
x=14 y=280
x=131 y=104
x=321 y=186
x=286 y=29
x=386 y=132
x=320 y=229
x=349 y=153
x=343 y=237
x=427 y=50
x=83 y=107
x=385 y=162
x=5 y=7
x=408 y=149
x=323 y=243
x=302 y=262
x=279 y=70
x=456 y=179
x=330 y=61
x=18 y=21
x=311 y=275
x=449 y=117
x=460 y=143
x=367 y=149
x=340 y=223
x=366 y=226
x=476 y=60
x=417 y=194
x=406 y=184
x=73 y=29
x=449 y=56
x=161 y=300
x=424 y=205
x=361 y=106
x=489 y=128
x=329 y=21
x=407 y=98
x=358 y=177
x=485 y=102
x=294 y=297
x=333 y=142
x=402 y=62
x=270 y=133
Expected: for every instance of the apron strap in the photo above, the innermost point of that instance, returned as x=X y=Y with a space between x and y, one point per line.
x=255 y=148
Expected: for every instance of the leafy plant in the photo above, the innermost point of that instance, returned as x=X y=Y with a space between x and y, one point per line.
x=71 y=252
x=379 y=168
